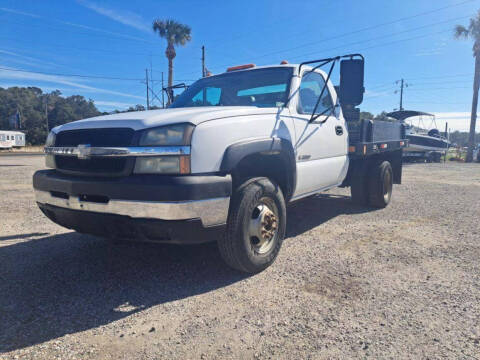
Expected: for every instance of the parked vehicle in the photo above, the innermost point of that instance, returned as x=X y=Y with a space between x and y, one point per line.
x=476 y=153
x=424 y=144
x=223 y=161
x=11 y=139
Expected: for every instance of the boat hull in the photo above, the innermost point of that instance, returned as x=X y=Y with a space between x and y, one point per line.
x=423 y=143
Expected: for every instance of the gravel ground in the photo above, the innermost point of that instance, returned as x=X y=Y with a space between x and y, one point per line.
x=403 y=282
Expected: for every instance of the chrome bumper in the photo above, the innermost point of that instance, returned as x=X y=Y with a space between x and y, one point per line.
x=210 y=211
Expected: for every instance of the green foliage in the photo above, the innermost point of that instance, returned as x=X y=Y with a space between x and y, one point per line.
x=366 y=115
x=383 y=116
x=30 y=102
x=174 y=32
x=471 y=31
x=461 y=138
x=137 y=107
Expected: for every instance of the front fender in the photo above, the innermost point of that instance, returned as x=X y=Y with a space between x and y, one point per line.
x=236 y=152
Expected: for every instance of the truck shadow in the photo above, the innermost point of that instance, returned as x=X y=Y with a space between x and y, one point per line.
x=67 y=283
x=306 y=214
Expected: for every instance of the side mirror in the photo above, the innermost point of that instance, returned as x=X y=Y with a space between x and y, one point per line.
x=351 y=81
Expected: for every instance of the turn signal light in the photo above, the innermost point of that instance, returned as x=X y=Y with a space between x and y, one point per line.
x=184 y=164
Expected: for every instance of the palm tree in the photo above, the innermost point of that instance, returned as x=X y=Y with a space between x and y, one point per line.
x=472 y=31
x=175 y=34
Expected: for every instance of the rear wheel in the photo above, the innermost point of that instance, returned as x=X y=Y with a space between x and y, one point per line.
x=359 y=191
x=359 y=186
x=380 y=184
x=256 y=226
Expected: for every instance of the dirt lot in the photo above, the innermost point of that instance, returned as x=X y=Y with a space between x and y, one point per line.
x=403 y=282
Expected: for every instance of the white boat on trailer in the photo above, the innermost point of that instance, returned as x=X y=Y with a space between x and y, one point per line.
x=425 y=144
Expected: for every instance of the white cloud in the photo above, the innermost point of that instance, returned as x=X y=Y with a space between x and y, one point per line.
x=26 y=60
x=39 y=78
x=13 y=11
x=374 y=94
x=114 y=104
x=124 y=17
x=437 y=49
x=91 y=28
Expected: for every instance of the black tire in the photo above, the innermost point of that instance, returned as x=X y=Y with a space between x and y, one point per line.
x=380 y=184
x=359 y=187
x=437 y=157
x=359 y=192
x=237 y=247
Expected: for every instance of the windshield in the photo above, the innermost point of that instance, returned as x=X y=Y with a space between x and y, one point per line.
x=260 y=88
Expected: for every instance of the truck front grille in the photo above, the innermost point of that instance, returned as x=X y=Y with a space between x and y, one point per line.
x=110 y=137
x=95 y=137
x=99 y=166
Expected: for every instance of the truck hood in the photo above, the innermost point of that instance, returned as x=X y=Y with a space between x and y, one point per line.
x=146 y=119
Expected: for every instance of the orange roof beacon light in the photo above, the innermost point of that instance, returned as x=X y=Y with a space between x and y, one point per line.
x=284 y=62
x=209 y=73
x=240 y=67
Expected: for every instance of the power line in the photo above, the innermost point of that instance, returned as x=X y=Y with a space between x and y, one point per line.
x=363 y=29
x=103 y=33
x=441 y=76
x=73 y=75
x=386 y=36
x=446 y=88
x=368 y=28
x=83 y=49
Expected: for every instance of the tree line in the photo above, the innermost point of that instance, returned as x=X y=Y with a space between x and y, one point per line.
x=30 y=110
x=26 y=109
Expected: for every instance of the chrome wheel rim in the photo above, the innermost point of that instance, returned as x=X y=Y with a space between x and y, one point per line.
x=263 y=226
x=387 y=186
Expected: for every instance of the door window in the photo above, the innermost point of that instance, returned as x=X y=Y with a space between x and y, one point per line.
x=310 y=89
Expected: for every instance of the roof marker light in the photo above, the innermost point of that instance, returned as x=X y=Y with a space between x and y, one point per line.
x=240 y=67
x=284 y=62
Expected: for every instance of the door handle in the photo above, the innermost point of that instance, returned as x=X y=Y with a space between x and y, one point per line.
x=339 y=130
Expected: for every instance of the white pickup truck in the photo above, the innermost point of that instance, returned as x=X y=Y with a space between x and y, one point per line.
x=223 y=161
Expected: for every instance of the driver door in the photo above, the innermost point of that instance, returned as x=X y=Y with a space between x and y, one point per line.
x=321 y=146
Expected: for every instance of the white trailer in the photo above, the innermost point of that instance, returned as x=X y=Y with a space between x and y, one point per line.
x=11 y=139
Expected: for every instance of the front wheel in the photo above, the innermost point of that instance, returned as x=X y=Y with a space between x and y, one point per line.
x=255 y=227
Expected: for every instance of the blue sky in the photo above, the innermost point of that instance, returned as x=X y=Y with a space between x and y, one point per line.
x=410 y=39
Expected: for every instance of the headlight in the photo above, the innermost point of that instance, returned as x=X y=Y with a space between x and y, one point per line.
x=170 y=135
x=50 y=159
x=162 y=165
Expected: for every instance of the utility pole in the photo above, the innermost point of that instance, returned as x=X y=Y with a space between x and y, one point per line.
x=46 y=113
x=403 y=84
x=203 y=62
x=148 y=90
x=163 y=94
x=151 y=76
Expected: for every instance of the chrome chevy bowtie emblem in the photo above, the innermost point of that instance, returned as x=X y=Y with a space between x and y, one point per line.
x=83 y=151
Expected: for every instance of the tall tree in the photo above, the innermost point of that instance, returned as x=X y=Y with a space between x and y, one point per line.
x=175 y=34
x=30 y=102
x=472 y=31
